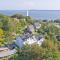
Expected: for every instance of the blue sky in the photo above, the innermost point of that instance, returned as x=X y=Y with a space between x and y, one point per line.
x=29 y=4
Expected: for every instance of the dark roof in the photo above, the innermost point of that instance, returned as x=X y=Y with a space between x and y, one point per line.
x=26 y=35
x=38 y=37
x=11 y=46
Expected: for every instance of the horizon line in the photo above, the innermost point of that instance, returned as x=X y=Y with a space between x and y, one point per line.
x=31 y=9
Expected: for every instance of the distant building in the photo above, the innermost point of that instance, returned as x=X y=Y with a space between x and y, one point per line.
x=29 y=37
x=21 y=41
x=30 y=28
x=34 y=27
x=11 y=46
x=37 y=25
x=27 y=13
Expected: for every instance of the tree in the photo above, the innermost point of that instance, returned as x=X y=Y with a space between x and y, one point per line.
x=1 y=37
x=18 y=16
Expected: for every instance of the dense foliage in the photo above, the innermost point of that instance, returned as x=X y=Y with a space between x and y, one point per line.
x=15 y=25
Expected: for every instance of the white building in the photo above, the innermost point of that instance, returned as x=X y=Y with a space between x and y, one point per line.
x=29 y=40
x=19 y=42
x=27 y=13
x=34 y=27
x=37 y=25
x=30 y=28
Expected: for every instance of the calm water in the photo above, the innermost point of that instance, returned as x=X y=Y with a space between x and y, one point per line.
x=38 y=14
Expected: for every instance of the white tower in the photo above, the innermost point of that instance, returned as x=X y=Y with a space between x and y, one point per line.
x=27 y=13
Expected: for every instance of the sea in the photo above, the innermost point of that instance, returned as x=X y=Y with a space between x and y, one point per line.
x=36 y=14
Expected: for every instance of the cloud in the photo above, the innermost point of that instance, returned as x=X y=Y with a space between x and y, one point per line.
x=29 y=4
x=9 y=4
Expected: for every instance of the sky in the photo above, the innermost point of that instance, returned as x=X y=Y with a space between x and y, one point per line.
x=30 y=4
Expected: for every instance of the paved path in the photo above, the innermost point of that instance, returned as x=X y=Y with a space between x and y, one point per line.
x=7 y=53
